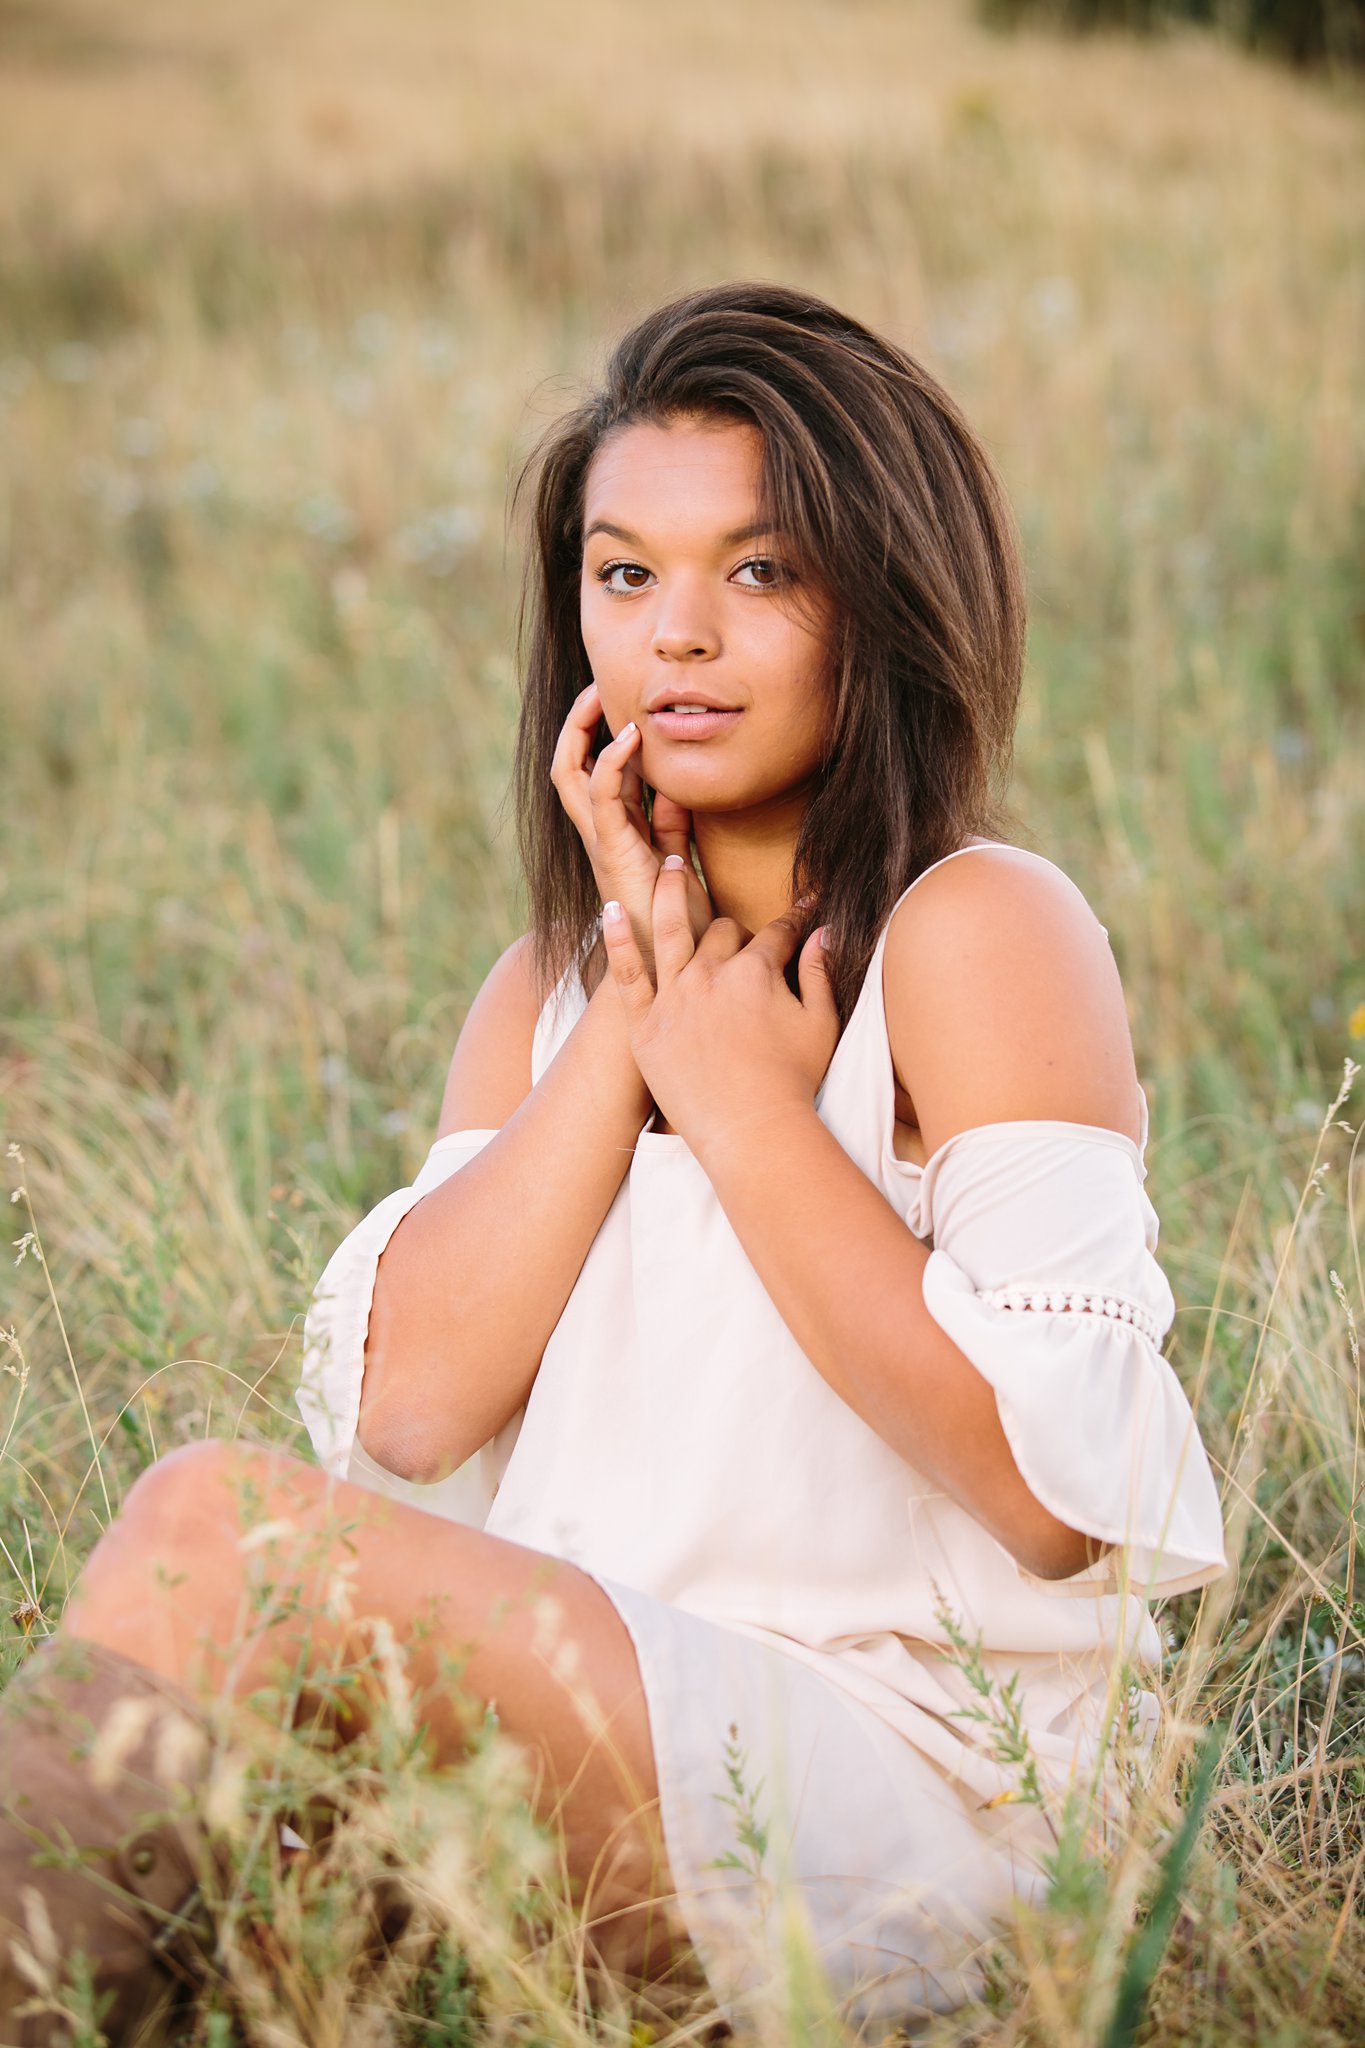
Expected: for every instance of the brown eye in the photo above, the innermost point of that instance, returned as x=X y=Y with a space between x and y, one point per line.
x=773 y=572
x=610 y=569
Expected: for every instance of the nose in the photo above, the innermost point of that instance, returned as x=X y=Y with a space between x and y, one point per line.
x=683 y=628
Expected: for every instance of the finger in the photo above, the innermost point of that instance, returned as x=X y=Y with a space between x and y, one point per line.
x=672 y=823
x=673 y=942
x=586 y=709
x=606 y=784
x=722 y=939
x=817 y=990
x=633 y=796
x=775 y=942
x=583 y=718
x=672 y=826
x=624 y=963
x=573 y=757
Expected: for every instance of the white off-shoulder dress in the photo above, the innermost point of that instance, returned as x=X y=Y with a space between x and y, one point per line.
x=791 y=1584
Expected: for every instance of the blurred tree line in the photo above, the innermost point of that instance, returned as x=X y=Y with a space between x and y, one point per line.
x=1305 y=32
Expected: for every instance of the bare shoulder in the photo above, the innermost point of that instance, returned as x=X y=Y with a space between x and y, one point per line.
x=1003 y=1001
x=490 y=1069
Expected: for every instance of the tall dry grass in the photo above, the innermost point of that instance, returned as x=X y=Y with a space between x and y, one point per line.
x=279 y=313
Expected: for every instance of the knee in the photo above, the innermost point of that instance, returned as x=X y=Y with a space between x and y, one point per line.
x=185 y=1494
x=175 y=1519
x=174 y=1568
x=192 y=1506
x=193 y=1520
x=176 y=1526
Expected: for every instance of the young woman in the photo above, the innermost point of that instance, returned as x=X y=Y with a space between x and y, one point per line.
x=776 y=1312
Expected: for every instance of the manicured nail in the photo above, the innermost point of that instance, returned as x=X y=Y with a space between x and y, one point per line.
x=626 y=731
x=824 y=935
x=611 y=911
x=675 y=860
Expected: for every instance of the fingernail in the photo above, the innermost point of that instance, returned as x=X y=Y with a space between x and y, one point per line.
x=626 y=730
x=675 y=860
x=824 y=935
x=611 y=911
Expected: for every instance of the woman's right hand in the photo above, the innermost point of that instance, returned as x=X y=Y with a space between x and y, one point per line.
x=604 y=797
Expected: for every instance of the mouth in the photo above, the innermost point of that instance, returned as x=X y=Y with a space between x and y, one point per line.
x=690 y=722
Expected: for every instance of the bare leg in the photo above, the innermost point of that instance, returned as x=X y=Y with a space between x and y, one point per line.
x=169 y=1585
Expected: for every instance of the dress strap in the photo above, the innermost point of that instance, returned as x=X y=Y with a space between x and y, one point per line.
x=974 y=846
x=873 y=1081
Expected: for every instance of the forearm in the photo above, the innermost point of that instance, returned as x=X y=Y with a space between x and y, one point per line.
x=846 y=1276
x=476 y=1276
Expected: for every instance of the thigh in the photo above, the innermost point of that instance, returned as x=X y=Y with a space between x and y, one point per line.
x=176 y=1583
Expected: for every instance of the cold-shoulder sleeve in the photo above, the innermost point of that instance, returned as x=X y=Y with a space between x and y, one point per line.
x=334 y=1334
x=1043 y=1272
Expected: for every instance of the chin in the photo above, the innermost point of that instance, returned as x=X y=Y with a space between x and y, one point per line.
x=720 y=786
x=700 y=792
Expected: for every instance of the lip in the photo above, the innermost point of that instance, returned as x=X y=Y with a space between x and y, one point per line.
x=663 y=697
x=692 y=725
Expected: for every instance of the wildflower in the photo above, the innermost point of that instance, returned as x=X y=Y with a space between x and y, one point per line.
x=72 y=362
x=140 y=438
x=437 y=541
x=17 y=1364
x=122 y=1732
x=372 y=333
x=198 y=481
x=264 y=1534
x=322 y=514
x=388 y=1656
x=1053 y=305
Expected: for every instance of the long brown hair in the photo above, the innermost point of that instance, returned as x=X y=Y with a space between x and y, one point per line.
x=889 y=504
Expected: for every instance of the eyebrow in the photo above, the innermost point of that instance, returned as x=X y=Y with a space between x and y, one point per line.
x=732 y=539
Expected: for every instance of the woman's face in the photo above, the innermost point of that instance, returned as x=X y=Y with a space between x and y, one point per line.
x=685 y=596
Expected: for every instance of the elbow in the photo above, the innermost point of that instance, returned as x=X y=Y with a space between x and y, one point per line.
x=413 y=1471
x=1041 y=1543
x=1066 y=1552
x=400 y=1444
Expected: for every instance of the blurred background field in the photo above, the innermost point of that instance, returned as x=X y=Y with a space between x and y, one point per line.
x=285 y=293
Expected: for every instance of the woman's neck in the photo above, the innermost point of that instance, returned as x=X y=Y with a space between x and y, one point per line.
x=746 y=860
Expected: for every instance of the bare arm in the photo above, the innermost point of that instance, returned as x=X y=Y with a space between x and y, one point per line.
x=476 y=1276
x=1003 y=1003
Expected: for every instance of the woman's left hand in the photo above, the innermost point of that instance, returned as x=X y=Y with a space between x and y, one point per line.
x=722 y=1043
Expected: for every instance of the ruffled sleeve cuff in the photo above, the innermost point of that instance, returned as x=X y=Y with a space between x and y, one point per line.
x=1043 y=1274
x=338 y=1318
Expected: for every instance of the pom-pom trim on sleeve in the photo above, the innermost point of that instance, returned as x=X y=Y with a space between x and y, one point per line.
x=1043 y=1272
x=1100 y=1429
x=1058 y=1300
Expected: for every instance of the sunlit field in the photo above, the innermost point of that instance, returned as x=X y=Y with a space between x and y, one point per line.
x=285 y=294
